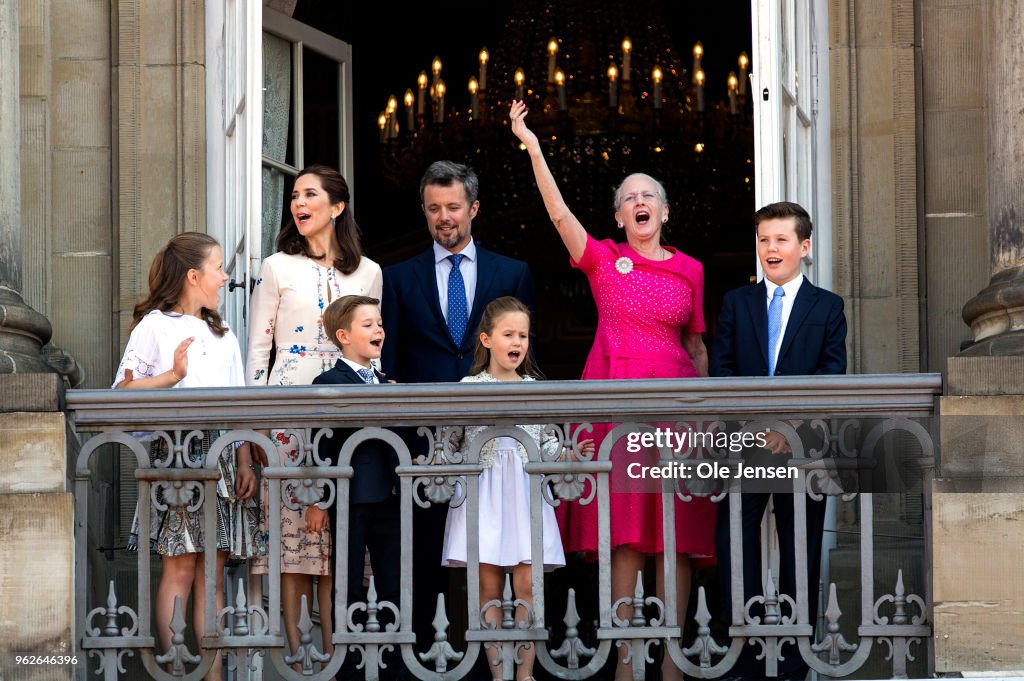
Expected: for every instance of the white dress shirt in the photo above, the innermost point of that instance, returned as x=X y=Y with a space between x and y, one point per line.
x=791 y=287
x=443 y=268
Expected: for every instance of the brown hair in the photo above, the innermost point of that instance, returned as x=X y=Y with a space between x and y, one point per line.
x=786 y=209
x=346 y=231
x=338 y=314
x=492 y=313
x=184 y=252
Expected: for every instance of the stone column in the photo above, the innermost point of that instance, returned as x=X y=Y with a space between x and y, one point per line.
x=23 y=331
x=996 y=315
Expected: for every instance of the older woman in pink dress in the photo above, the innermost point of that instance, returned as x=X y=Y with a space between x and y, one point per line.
x=650 y=319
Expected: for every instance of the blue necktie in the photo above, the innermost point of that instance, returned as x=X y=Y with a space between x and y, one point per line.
x=366 y=375
x=458 y=312
x=774 y=327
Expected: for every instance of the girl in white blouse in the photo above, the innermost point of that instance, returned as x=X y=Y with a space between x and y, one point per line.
x=179 y=340
x=319 y=259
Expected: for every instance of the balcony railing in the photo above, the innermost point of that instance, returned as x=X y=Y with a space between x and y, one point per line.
x=873 y=423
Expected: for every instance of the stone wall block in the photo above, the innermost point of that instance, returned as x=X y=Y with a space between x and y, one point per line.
x=953 y=67
x=81 y=104
x=32 y=452
x=952 y=248
x=80 y=286
x=955 y=178
x=874 y=23
x=36 y=604
x=34 y=48
x=82 y=204
x=978 y=592
x=877 y=201
x=879 y=346
x=82 y=29
x=35 y=206
x=158 y=32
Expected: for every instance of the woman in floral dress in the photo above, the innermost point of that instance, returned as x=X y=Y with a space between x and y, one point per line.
x=319 y=259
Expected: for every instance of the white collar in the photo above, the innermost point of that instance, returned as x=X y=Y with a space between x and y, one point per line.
x=790 y=287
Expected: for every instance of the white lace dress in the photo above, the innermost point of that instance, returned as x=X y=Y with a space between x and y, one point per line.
x=504 y=506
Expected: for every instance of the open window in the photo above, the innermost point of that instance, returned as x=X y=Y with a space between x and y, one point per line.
x=279 y=97
x=791 y=129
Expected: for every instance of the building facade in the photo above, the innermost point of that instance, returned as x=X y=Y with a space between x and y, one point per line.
x=119 y=109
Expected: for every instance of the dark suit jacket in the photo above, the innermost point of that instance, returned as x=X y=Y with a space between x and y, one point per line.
x=815 y=340
x=373 y=462
x=419 y=348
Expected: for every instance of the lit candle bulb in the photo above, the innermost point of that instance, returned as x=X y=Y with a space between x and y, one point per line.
x=392 y=111
x=698 y=53
x=473 y=101
x=440 y=100
x=744 y=63
x=382 y=123
x=484 y=56
x=552 y=53
x=700 y=90
x=627 y=51
x=733 y=86
x=421 y=95
x=560 y=81
x=656 y=76
x=410 y=122
x=613 y=94
x=435 y=68
x=520 y=79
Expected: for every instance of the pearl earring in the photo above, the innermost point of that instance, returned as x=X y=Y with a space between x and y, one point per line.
x=664 y=220
x=620 y=225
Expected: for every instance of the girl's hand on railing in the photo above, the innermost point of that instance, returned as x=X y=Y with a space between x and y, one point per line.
x=586 y=445
x=245 y=475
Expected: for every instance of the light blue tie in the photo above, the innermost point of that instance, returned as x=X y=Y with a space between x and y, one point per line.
x=458 y=312
x=774 y=327
x=366 y=375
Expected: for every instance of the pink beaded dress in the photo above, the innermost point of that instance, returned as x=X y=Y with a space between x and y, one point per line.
x=644 y=307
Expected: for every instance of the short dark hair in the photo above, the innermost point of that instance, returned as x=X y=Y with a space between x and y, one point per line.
x=338 y=314
x=787 y=209
x=447 y=173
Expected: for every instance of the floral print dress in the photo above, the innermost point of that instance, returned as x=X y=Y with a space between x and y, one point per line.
x=286 y=310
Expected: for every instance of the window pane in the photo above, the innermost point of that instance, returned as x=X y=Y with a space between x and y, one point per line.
x=277 y=100
x=320 y=117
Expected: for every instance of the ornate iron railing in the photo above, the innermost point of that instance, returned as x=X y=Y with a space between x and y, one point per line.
x=879 y=419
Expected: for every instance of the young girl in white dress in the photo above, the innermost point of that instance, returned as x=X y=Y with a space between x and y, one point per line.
x=178 y=340
x=503 y=354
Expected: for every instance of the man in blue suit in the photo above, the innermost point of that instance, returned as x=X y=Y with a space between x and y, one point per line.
x=783 y=325
x=432 y=304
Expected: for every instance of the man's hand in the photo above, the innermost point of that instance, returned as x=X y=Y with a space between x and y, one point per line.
x=776 y=443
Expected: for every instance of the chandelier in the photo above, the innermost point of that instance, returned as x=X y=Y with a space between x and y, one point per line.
x=608 y=94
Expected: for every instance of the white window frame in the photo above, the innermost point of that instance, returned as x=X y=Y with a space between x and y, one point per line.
x=791 y=127
x=234 y=121
x=234 y=125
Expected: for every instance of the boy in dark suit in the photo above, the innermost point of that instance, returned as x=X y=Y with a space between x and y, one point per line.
x=783 y=325
x=354 y=324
